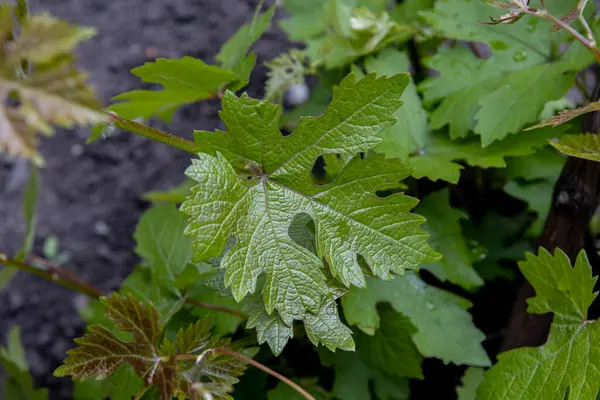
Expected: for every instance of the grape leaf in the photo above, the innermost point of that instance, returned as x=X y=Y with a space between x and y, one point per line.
x=285 y=71
x=567 y=115
x=445 y=329
x=175 y=195
x=410 y=133
x=469 y=384
x=233 y=52
x=348 y=214
x=100 y=353
x=495 y=96
x=438 y=160
x=55 y=92
x=391 y=349
x=124 y=384
x=184 y=81
x=161 y=243
x=337 y=32
x=585 y=145
x=17 y=383
x=571 y=355
x=443 y=223
x=353 y=377
x=285 y=392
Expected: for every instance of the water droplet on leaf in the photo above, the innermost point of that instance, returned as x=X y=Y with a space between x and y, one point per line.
x=520 y=55
x=430 y=306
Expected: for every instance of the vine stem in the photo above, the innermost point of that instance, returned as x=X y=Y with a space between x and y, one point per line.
x=254 y=363
x=54 y=275
x=152 y=133
x=70 y=280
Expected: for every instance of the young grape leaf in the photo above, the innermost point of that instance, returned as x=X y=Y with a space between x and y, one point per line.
x=184 y=81
x=161 y=243
x=350 y=218
x=391 y=349
x=585 y=145
x=337 y=32
x=353 y=379
x=17 y=383
x=443 y=223
x=55 y=92
x=495 y=96
x=233 y=53
x=410 y=133
x=567 y=115
x=286 y=70
x=469 y=384
x=571 y=355
x=445 y=329
x=100 y=353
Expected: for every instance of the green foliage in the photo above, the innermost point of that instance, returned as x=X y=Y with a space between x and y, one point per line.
x=17 y=383
x=51 y=91
x=585 y=145
x=346 y=213
x=184 y=81
x=469 y=384
x=284 y=71
x=496 y=96
x=337 y=32
x=162 y=363
x=571 y=354
x=445 y=329
x=443 y=223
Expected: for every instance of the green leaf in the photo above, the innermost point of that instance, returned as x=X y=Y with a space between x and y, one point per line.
x=223 y=323
x=285 y=392
x=445 y=329
x=353 y=378
x=270 y=328
x=17 y=383
x=29 y=210
x=500 y=240
x=443 y=223
x=6 y=275
x=55 y=92
x=234 y=50
x=567 y=115
x=124 y=384
x=285 y=71
x=337 y=32
x=538 y=196
x=100 y=353
x=44 y=38
x=585 y=145
x=498 y=95
x=469 y=384
x=410 y=133
x=161 y=243
x=185 y=80
x=438 y=160
x=175 y=195
x=348 y=215
x=571 y=355
x=391 y=349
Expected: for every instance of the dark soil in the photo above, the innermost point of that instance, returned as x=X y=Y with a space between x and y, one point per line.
x=90 y=196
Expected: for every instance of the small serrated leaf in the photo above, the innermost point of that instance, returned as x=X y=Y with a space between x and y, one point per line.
x=585 y=145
